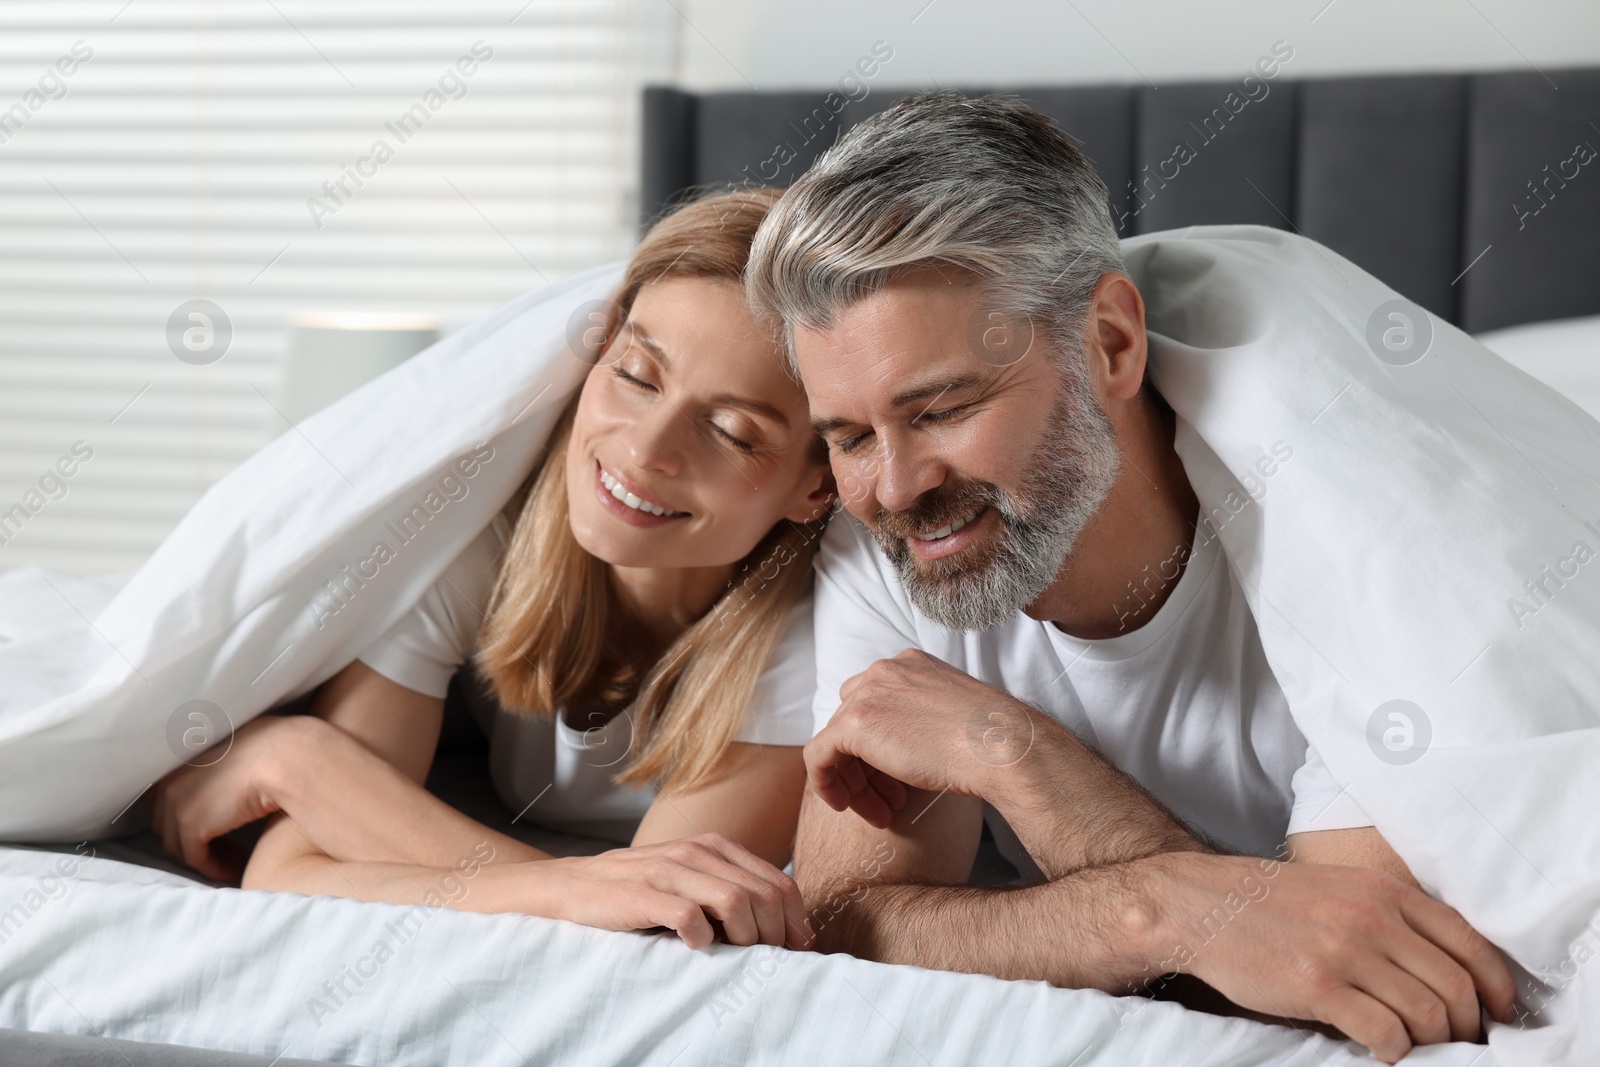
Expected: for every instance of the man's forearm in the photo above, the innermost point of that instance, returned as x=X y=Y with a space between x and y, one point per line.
x=1071 y=809
x=1090 y=929
x=1091 y=830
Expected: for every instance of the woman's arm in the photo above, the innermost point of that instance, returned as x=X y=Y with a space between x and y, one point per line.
x=398 y=724
x=345 y=800
x=753 y=798
x=348 y=778
x=353 y=825
x=349 y=823
x=357 y=791
x=681 y=885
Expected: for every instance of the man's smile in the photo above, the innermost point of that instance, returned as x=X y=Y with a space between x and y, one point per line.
x=952 y=538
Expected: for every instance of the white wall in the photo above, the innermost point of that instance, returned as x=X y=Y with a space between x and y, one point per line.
x=729 y=44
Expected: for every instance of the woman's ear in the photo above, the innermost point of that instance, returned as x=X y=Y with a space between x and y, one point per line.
x=820 y=491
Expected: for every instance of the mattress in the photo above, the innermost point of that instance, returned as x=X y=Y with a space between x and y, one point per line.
x=131 y=953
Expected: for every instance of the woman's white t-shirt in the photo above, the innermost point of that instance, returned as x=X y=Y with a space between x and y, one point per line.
x=545 y=770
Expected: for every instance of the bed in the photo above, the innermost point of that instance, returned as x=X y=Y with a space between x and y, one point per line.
x=122 y=955
x=129 y=958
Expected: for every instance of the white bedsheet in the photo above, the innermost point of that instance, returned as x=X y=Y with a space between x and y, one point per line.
x=140 y=954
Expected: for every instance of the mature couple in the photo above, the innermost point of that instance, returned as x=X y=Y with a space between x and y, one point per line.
x=947 y=286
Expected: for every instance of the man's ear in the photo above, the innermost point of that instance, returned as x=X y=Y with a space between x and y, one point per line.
x=1117 y=346
x=820 y=491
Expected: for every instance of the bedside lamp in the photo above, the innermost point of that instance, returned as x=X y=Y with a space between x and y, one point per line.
x=333 y=352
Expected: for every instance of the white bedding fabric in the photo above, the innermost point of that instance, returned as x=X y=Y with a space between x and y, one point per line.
x=232 y=608
x=140 y=954
x=1379 y=564
x=1564 y=354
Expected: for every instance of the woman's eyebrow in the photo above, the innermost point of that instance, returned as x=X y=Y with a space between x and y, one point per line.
x=744 y=403
x=756 y=407
x=647 y=341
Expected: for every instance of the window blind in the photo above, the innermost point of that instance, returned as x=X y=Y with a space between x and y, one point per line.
x=271 y=157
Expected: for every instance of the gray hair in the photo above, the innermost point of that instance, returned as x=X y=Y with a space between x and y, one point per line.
x=987 y=185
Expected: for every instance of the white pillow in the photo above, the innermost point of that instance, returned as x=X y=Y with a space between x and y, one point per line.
x=1563 y=354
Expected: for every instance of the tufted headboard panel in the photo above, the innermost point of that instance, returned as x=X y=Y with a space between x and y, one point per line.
x=1476 y=195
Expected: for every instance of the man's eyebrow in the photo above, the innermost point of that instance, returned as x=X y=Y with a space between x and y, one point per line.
x=936 y=388
x=929 y=391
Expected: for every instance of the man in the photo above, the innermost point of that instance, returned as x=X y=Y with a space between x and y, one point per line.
x=1042 y=632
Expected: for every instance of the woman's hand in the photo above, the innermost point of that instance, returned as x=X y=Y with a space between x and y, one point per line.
x=683 y=885
x=193 y=806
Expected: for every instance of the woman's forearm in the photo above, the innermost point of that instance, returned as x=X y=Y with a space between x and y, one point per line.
x=477 y=879
x=351 y=805
x=680 y=885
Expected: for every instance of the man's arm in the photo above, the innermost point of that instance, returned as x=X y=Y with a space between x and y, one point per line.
x=1357 y=949
x=1068 y=805
x=1078 y=817
x=898 y=896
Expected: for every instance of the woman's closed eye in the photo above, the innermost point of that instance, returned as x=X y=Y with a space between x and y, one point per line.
x=740 y=444
x=630 y=379
x=733 y=440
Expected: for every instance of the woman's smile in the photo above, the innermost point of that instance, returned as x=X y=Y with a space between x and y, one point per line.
x=623 y=500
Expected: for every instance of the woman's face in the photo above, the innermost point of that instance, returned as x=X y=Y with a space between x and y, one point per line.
x=690 y=442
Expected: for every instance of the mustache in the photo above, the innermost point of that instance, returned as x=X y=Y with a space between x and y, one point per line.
x=936 y=508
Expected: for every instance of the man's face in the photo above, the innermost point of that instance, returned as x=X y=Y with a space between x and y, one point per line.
x=973 y=453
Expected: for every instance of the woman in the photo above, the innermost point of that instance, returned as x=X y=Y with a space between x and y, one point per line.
x=649 y=626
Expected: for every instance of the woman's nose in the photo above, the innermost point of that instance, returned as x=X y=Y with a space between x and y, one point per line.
x=654 y=440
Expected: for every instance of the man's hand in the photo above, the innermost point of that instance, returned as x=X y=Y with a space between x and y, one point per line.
x=1357 y=949
x=913 y=721
x=916 y=721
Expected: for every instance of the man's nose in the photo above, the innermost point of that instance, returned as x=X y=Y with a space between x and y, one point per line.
x=905 y=473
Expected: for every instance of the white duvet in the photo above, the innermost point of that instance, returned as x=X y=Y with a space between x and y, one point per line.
x=1425 y=575
x=1424 y=497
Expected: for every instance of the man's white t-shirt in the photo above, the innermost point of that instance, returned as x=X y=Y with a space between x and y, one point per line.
x=1185 y=704
x=544 y=769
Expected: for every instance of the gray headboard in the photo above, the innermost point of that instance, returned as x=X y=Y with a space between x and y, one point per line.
x=1476 y=195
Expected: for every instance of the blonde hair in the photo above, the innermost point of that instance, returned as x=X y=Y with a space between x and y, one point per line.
x=544 y=644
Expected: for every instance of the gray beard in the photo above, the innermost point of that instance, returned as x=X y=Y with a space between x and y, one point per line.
x=1072 y=472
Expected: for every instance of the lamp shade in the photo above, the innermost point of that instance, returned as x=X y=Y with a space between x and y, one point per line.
x=333 y=352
